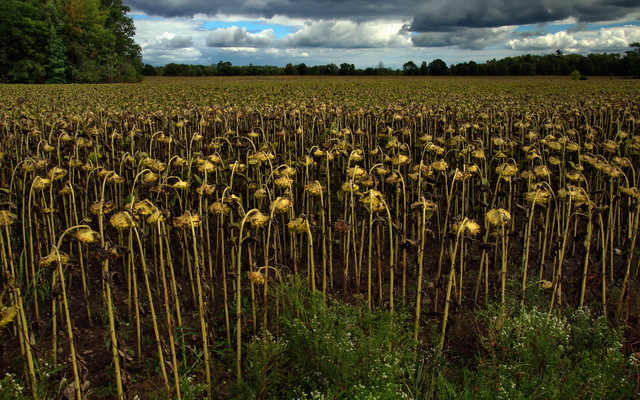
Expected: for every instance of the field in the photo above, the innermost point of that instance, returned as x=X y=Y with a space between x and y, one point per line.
x=320 y=238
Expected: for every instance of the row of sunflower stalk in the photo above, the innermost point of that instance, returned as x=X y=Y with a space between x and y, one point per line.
x=182 y=217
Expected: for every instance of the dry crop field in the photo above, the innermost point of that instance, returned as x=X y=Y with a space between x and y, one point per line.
x=144 y=228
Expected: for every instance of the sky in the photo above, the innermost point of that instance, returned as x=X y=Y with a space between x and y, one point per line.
x=369 y=32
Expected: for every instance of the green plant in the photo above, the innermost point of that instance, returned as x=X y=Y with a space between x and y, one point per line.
x=529 y=354
x=322 y=350
x=11 y=388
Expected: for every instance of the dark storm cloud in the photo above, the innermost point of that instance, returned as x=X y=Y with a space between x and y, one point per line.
x=239 y=37
x=528 y=34
x=175 y=42
x=312 y=9
x=467 y=39
x=443 y=15
x=427 y=15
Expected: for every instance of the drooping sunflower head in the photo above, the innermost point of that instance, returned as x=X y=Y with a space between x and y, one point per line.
x=122 y=220
x=498 y=217
x=87 y=235
x=187 y=220
x=258 y=220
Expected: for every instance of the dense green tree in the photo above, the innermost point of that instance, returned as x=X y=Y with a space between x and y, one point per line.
x=289 y=69
x=302 y=69
x=24 y=38
x=347 y=69
x=149 y=70
x=424 y=68
x=410 y=68
x=125 y=57
x=631 y=61
x=438 y=67
x=67 y=41
x=330 y=69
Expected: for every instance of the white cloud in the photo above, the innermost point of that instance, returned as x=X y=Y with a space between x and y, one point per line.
x=263 y=41
x=605 y=39
x=170 y=40
x=240 y=49
x=348 y=34
x=162 y=56
x=239 y=37
x=558 y=40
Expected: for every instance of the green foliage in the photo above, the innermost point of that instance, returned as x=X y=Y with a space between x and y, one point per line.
x=320 y=352
x=438 y=67
x=74 y=41
x=23 y=33
x=530 y=354
x=11 y=388
x=575 y=75
x=335 y=351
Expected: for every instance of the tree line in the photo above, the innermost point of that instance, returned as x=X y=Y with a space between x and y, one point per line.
x=595 y=64
x=58 y=41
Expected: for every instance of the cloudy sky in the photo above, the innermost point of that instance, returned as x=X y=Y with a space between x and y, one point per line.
x=367 y=32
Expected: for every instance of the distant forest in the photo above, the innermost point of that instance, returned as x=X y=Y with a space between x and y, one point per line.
x=91 y=41
x=579 y=66
x=59 y=41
